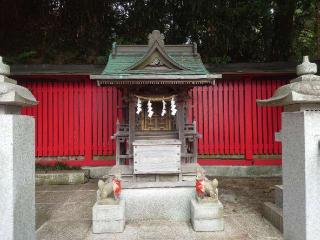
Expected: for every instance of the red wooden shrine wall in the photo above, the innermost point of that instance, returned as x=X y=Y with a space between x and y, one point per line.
x=75 y=119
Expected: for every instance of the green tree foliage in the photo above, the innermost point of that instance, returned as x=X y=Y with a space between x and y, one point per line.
x=81 y=31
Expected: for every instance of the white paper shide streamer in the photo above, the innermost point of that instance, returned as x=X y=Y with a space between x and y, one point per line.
x=163 y=108
x=139 y=106
x=173 y=107
x=150 y=112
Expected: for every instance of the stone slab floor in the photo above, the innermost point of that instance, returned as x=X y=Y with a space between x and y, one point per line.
x=64 y=212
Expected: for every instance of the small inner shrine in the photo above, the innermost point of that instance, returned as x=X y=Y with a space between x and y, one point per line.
x=154 y=139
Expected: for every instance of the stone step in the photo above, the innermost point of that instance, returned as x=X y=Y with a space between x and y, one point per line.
x=273 y=214
x=278 y=195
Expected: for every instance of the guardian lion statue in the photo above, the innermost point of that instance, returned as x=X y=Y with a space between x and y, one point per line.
x=207 y=191
x=109 y=191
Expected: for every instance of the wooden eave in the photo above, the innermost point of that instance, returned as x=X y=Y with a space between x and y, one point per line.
x=155 y=79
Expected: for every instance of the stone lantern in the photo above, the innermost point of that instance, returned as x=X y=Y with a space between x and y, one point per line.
x=17 y=160
x=300 y=137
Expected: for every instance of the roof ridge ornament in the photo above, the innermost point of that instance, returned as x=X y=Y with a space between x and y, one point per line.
x=156 y=35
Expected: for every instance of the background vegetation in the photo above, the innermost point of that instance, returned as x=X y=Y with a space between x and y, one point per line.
x=82 y=31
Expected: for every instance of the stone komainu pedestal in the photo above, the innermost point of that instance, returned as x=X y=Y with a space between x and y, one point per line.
x=207 y=217
x=108 y=218
x=17 y=161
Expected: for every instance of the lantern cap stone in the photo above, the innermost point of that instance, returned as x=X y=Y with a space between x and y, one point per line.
x=305 y=89
x=306 y=67
x=4 y=68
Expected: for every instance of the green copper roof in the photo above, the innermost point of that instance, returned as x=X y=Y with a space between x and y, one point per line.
x=118 y=65
x=155 y=63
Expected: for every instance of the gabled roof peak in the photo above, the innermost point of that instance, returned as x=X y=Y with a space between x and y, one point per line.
x=156 y=36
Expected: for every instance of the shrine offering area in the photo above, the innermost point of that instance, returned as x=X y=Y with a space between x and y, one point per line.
x=65 y=212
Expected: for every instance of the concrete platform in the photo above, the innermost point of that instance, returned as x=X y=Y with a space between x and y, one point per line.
x=165 y=203
x=65 y=212
x=62 y=177
x=273 y=214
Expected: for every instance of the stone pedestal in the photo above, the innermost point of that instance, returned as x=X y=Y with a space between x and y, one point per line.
x=207 y=217
x=301 y=174
x=108 y=218
x=300 y=136
x=17 y=184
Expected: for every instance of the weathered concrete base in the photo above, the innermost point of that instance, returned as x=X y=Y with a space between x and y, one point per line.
x=273 y=214
x=278 y=195
x=62 y=177
x=17 y=188
x=164 y=203
x=216 y=171
x=207 y=217
x=108 y=218
x=97 y=172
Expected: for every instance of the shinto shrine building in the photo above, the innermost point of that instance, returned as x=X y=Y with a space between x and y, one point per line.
x=88 y=115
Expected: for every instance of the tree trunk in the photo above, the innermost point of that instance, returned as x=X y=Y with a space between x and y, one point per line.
x=318 y=28
x=283 y=30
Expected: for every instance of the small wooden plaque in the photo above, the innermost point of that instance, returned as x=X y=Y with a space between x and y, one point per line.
x=161 y=156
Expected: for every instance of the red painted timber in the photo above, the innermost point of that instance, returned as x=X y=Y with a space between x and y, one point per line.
x=231 y=126
x=200 y=119
x=75 y=118
x=248 y=118
x=71 y=113
x=236 y=117
x=215 y=121
x=210 y=119
x=88 y=122
x=205 y=120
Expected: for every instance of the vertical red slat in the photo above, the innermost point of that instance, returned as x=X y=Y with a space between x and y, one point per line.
x=81 y=115
x=94 y=121
x=88 y=121
x=275 y=122
x=200 y=118
x=50 y=118
x=236 y=117
x=106 y=119
x=254 y=117
x=248 y=118
x=226 y=117
x=259 y=118
x=45 y=119
x=65 y=118
x=220 y=111
x=56 y=118
x=270 y=122
x=99 y=133
x=205 y=120
x=241 y=116
x=40 y=118
x=71 y=112
x=215 y=120
x=210 y=126
x=231 y=118
x=61 y=111
x=264 y=119
x=109 y=113
x=76 y=118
